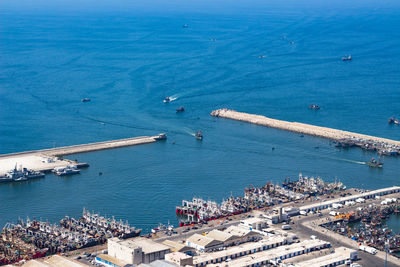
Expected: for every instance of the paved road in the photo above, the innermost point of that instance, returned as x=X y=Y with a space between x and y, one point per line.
x=309 y=226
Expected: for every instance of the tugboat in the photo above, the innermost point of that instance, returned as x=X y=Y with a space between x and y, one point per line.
x=180 y=109
x=314 y=106
x=199 y=135
x=167 y=99
x=374 y=163
x=85 y=100
x=346 y=58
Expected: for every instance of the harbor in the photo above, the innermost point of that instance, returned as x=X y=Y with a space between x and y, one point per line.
x=52 y=160
x=272 y=224
x=382 y=146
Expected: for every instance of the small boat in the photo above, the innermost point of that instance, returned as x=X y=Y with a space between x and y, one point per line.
x=314 y=106
x=199 y=135
x=185 y=26
x=180 y=109
x=394 y=120
x=161 y=136
x=346 y=58
x=374 y=163
x=68 y=170
x=85 y=99
x=167 y=99
x=261 y=56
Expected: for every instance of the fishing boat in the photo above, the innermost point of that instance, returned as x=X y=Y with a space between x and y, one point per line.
x=374 y=163
x=346 y=58
x=314 y=106
x=394 y=120
x=199 y=135
x=180 y=109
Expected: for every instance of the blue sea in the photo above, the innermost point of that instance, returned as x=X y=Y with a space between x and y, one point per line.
x=127 y=56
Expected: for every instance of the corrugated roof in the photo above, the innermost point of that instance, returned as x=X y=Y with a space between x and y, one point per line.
x=219 y=235
x=239 y=231
x=176 y=246
x=202 y=240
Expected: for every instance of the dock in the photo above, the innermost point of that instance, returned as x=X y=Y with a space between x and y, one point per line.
x=45 y=160
x=382 y=145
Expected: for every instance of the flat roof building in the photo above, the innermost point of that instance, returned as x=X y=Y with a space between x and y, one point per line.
x=179 y=258
x=253 y=224
x=277 y=254
x=136 y=250
x=238 y=251
x=339 y=257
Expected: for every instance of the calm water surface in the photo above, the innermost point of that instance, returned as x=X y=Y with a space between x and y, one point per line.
x=128 y=58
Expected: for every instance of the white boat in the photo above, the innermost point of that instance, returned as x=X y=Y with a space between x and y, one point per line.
x=68 y=170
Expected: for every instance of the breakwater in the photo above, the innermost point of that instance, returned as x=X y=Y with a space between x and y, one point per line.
x=46 y=160
x=383 y=146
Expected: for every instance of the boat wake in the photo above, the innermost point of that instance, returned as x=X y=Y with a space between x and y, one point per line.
x=189 y=131
x=173 y=97
x=351 y=161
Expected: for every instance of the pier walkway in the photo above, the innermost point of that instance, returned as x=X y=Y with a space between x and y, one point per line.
x=46 y=160
x=387 y=146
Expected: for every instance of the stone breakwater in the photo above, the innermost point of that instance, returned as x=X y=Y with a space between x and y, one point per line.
x=344 y=138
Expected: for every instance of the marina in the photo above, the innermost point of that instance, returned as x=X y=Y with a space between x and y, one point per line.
x=342 y=138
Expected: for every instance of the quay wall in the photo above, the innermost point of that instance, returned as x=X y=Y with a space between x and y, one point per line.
x=46 y=160
x=297 y=127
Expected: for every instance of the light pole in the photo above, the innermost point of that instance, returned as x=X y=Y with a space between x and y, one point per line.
x=386 y=251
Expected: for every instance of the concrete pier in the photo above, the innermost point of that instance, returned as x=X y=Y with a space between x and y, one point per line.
x=46 y=160
x=361 y=140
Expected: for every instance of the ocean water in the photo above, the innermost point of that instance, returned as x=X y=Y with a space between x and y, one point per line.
x=127 y=57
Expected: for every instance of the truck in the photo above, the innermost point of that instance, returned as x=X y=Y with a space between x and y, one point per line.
x=368 y=249
x=334 y=213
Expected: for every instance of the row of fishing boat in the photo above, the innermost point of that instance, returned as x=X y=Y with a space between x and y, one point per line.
x=199 y=210
x=369 y=226
x=382 y=148
x=33 y=238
